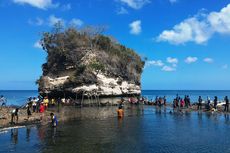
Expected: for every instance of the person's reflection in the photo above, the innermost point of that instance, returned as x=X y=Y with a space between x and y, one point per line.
x=53 y=132
x=41 y=132
x=226 y=117
x=28 y=134
x=120 y=122
x=208 y=115
x=14 y=136
x=158 y=110
x=199 y=113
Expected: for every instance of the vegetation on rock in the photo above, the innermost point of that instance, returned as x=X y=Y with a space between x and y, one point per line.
x=82 y=54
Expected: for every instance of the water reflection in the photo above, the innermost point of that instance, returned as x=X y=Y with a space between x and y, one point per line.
x=28 y=130
x=14 y=136
x=139 y=131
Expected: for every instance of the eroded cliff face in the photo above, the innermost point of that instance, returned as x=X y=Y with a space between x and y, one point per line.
x=105 y=86
x=81 y=64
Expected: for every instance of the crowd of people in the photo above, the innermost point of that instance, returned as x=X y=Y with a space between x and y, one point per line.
x=37 y=105
x=185 y=102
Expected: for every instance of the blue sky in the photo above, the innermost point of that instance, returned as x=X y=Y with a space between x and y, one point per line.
x=186 y=41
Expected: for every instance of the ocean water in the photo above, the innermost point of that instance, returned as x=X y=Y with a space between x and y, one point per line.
x=144 y=129
x=19 y=97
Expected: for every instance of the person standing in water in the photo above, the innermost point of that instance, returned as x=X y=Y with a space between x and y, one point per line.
x=215 y=102
x=226 y=104
x=199 y=103
x=54 y=121
x=120 y=112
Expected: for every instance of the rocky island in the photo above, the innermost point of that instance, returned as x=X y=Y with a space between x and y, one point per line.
x=86 y=62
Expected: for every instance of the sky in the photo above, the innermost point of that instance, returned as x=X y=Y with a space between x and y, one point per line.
x=186 y=42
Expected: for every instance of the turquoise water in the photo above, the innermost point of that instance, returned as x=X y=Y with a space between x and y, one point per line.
x=19 y=97
x=144 y=129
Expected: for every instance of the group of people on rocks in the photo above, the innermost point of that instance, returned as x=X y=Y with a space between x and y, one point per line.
x=185 y=102
x=179 y=102
x=36 y=105
x=159 y=101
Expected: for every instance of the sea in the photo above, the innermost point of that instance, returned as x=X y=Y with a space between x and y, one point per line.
x=19 y=97
x=144 y=129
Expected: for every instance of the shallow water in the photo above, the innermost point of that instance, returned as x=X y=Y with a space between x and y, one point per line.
x=144 y=129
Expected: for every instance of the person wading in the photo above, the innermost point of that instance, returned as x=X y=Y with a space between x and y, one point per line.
x=199 y=103
x=54 y=121
x=120 y=112
x=226 y=104
x=215 y=102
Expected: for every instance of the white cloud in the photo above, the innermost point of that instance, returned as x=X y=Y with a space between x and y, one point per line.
x=173 y=1
x=41 y=4
x=38 y=21
x=37 y=44
x=54 y=20
x=76 y=22
x=190 y=60
x=220 y=21
x=66 y=7
x=135 y=4
x=172 y=60
x=168 y=68
x=198 y=29
x=135 y=27
x=208 y=60
x=122 y=10
x=225 y=66
x=155 y=63
x=189 y=30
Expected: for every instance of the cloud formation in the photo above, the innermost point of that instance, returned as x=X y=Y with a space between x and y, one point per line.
x=66 y=7
x=135 y=27
x=159 y=63
x=155 y=63
x=173 y=1
x=191 y=59
x=76 y=22
x=172 y=60
x=208 y=60
x=168 y=68
x=38 y=21
x=135 y=4
x=122 y=10
x=54 y=20
x=199 y=28
x=38 y=45
x=41 y=4
x=225 y=66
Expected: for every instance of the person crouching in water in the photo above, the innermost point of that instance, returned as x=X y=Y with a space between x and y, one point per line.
x=54 y=121
x=28 y=111
x=120 y=112
x=14 y=114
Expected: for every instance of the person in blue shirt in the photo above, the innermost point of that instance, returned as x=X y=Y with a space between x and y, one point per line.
x=54 y=121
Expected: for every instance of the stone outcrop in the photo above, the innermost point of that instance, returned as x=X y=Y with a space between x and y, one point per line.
x=79 y=64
